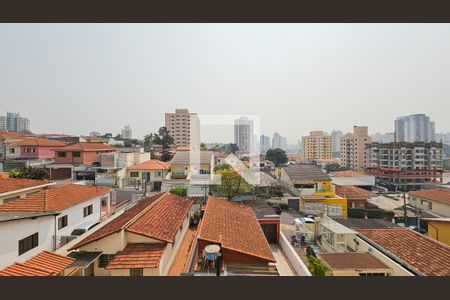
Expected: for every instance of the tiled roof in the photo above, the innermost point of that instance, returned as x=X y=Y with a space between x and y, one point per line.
x=159 y=217
x=352 y=193
x=137 y=256
x=424 y=254
x=12 y=136
x=152 y=164
x=305 y=174
x=235 y=227
x=356 y=224
x=352 y=260
x=43 y=264
x=88 y=147
x=14 y=184
x=55 y=199
x=438 y=195
x=184 y=157
x=41 y=143
x=164 y=219
x=347 y=174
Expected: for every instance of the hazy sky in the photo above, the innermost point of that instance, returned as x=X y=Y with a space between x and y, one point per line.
x=75 y=78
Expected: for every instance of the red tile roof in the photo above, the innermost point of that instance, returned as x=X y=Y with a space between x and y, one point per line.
x=164 y=219
x=438 y=195
x=347 y=174
x=39 y=142
x=152 y=164
x=235 y=227
x=14 y=136
x=138 y=256
x=352 y=260
x=353 y=193
x=43 y=264
x=83 y=147
x=55 y=199
x=424 y=254
x=159 y=217
x=15 y=184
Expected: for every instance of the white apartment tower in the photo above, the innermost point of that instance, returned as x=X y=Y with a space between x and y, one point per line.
x=264 y=143
x=244 y=134
x=14 y=122
x=415 y=128
x=184 y=127
x=126 y=132
x=279 y=141
x=336 y=136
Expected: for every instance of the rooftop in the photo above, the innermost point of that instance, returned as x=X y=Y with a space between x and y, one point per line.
x=356 y=224
x=305 y=174
x=235 y=227
x=262 y=209
x=438 y=195
x=138 y=256
x=55 y=199
x=43 y=264
x=185 y=157
x=40 y=142
x=15 y=184
x=83 y=147
x=347 y=174
x=352 y=261
x=152 y=164
x=159 y=216
x=427 y=256
x=12 y=215
x=353 y=193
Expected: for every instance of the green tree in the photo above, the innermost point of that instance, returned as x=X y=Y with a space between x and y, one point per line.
x=222 y=166
x=334 y=167
x=149 y=139
x=180 y=191
x=203 y=147
x=107 y=135
x=15 y=174
x=277 y=156
x=161 y=138
x=35 y=173
x=231 y=184
x=317 y=267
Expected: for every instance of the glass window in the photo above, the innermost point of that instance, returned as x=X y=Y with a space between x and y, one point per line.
x=62 y=222
x=28 y=243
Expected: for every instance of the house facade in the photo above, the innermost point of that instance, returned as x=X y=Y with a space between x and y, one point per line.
x=151 y=173
x=15 y=188
x=436 y=201
x=39 y=148
x=82 y=153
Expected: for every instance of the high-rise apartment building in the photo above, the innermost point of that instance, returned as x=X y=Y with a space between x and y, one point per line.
x=126 y=132
x=317 y=146
x=279 y=141
x=184 y=127
x=402 y=165
x=415 y=128
x=353 y=149
x=244 y=135
x=14 y=122
x=264 y=143
x=336 y=136
x=383 y=137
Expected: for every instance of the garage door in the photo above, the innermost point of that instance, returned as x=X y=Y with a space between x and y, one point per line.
x=270 y=231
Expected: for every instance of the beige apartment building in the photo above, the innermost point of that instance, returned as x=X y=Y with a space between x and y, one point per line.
x=353 y=148
x=184 y=127
x=317 y=146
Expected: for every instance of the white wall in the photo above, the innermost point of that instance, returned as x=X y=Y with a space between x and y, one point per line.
x=13 y=231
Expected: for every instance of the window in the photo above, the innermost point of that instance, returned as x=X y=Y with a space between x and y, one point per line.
x=28 y=243
x=104 y=260
x=62 y=222
x=62 y=154
x=158 y=174
x=87 y=211
x=134 y=174
x=76 y=154
x=12 y=150
x=136 y=272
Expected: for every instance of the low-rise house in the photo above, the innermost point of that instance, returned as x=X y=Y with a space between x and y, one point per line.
x=82 y=153
x=45 y=220
x=356 y=197
x=267 y=219
x=302 y=178
x=151 y=172
x=43 y=264
x=39 y=148
x=15 y=188
x=142 y=241
x=9 y=144
x=438 y=229
x=436 y=201
x=354 y=264
x=235 y=229
x=352 y=178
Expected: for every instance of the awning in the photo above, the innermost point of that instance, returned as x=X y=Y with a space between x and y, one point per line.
x=83 y=259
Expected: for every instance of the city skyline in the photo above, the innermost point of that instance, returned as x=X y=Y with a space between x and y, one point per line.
x=350 y=74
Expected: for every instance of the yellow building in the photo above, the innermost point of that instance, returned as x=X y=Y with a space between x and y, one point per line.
x=439 y=229
x=324 y=201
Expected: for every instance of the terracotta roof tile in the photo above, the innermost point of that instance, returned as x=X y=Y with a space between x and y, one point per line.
x=352 y=261
x=438 y=195
x=12 y=136
x=159 y=217
x=88 y=147
x=347 y=174
x=424 y=254
x=14 y=184
x=164 y=219
x=43 y=264
x=353 y=193
x=41 y=143
x=137 y=256
x=152 y=164
x=235 y=227
x=55 y=199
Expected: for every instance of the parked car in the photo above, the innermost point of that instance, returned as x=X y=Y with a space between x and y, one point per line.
x=312 y=250
x=303 y=220
x=84 y=228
